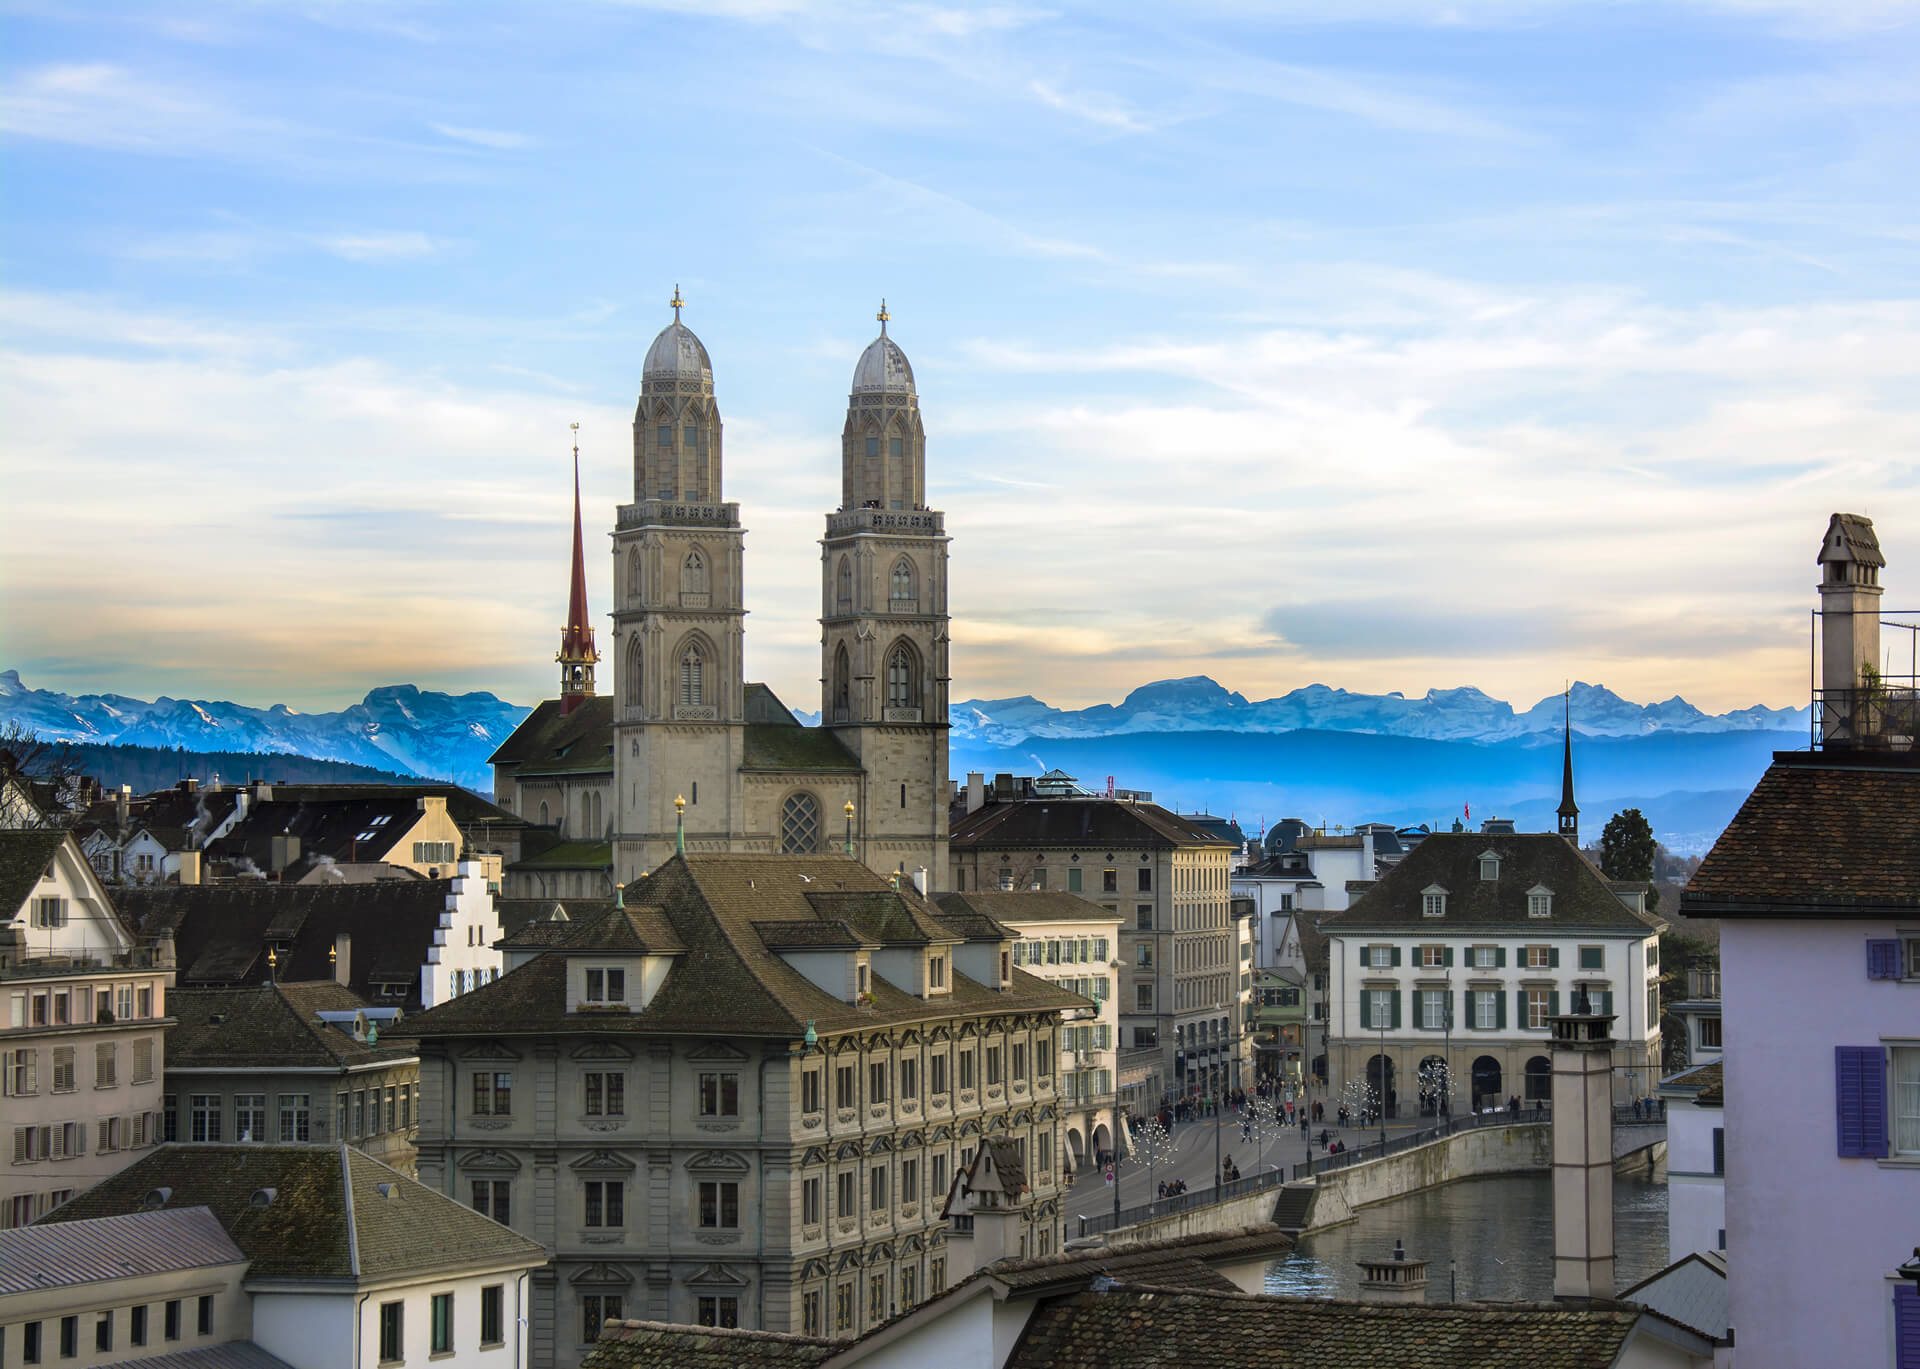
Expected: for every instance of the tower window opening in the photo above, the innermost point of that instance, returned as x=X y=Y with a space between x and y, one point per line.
x=691 y=691
x=664 y=438
x=842 y=685
x=843 y=585
x=873 y=446
x=800 y=825
x=896 y=447
x=634 y=676
x=903 y=587
x=694 y=573
x=902 y=688
x=690 y=435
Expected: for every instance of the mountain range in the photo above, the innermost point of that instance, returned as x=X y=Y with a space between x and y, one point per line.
x=1317 y=752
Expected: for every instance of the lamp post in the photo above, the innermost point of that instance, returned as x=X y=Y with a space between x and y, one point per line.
x=849 y=812
x=1446 y=1061
x=1381 y=1101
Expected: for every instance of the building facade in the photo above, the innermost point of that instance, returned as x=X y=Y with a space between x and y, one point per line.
x=741 y=1096
x=1444 y=973
x=1695 y=1101
x=1182 y=974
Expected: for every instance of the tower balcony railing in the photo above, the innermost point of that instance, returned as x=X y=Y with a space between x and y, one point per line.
x=918 y=522
x=679 y=513
x=1880 y=711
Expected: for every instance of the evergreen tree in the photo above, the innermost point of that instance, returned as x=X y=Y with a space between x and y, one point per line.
x=1627 y=846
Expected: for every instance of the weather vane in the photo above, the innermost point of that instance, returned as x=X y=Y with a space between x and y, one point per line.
x=676 y=301
x=883 y=316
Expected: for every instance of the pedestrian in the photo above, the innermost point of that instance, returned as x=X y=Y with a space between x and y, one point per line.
x=1303 y=1126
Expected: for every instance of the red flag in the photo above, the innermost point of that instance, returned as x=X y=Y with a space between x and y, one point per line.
x=1466 y=810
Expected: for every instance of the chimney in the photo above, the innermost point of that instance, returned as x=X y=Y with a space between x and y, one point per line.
x=189 y=786
x=342 y=957
x=976 y=791
x=123 y=807
x=189 y=867
x=1582 y=1153
x=920 y=880
x=262 y=791
x=213 y=785
x=1393 y=1279
x=1850 y=562
x=284 y=851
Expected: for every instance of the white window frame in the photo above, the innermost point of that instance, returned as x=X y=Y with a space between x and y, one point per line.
x=1903 y=1098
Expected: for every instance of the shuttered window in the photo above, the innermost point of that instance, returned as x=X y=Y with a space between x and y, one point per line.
x=1860 y=1097
x=1883 y=959
x=1906 y=1327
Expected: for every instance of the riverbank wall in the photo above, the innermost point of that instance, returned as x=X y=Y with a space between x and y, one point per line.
x=1524 y=1148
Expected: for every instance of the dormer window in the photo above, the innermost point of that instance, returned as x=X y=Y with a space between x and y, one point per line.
x=860 y=976
x=1433 y=901
x=606 y=986
x=936 y=972
x=1539 y=901
x=1489 y=865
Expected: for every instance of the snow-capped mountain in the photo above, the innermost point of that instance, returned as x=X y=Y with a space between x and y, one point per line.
x=396 y=727
x=1199 y=704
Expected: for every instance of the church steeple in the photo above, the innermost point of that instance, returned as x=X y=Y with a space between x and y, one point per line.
x=576 y=655
x=1569 y=810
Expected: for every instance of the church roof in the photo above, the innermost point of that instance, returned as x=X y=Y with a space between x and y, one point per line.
x=1078 y=822
x=883 y=367
x=678 y=355
x=778 y=746
x=550 y=741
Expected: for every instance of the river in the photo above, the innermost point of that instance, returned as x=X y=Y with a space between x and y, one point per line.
x=1499 y=1230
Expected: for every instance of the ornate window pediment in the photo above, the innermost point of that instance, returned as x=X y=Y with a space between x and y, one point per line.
x=997 y=1122
x=913 y=1245
x=489 y=1050
x=850 y=1260
x=881 y=1254
x=493 y=1161
x=1023 y=1118
x=940 y=1034
x=719 y=1162
x=602 y=1276
x=849 y=1150
x=942 y=1133
x=970 y=1127
x=603 y=1161
x=813 y=1269
x=717 y=1276
x=911 y=1140
x=601 y=1050
x=880 y=1145
x=716 y=1050
x=879 y=1041
x=909 y=1037
x=1048 y=1112
x=841 y=1045
x=814 y=1155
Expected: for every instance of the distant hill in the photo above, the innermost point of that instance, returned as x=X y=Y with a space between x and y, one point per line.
x=148 y=768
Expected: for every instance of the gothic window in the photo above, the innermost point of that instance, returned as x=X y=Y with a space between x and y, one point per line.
x=843 y=585
x=842 y=685
x=633 y=573
x=903 y=685
x=903 y=586
x=692 y=692
x=634 y=677
x=693 y=574
x=800 y=824
x=586 y=816
x=544 y=817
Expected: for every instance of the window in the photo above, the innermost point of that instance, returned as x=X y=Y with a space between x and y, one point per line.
x=843 y=1087
x=966 y=1069
x=1539 y=903
x=876 y=1297
x=993 y=1065
x=22 y=1072
x=936 y=972
x=909 y=1179
x=719 y=1311
x=902 y=580
x=1380 y=1009
x=903 y=685
x=30 y=1343
x=442 y=1341
x=606 y=1203
x=1006 y=879
x=937 y=1073
x=719 y=1204
x=203 y=1315
x=800 y=825
x=1489 y=866
x=250 y=1117
x=69 y=1337
x=295 y=1109
x=1433 y=1009
x=49 y=912
x=692 y=692
x=937 y=1171
x=493 y=1198
x=1074 y=879
x=206 y=1116
x=1109 y=881
x=596 y=1310
x=937 y=1274
x=1593 y=957
x=1906 y=1100
x=1143 y=998
x=1538 y=1008
x=909 y=1286
x=810 y=1314
x=909 y=1078
x=143 y=1062
x=137 y=1325
x=1486 y=1009
x=360 y=1112
x=810 y=1196
x=1719 y=1150
x=1434 y=957
x=1710 y=1032
x=393 y=1339
x=606 y=986
x=877 y=1082
x=492 y=1323
x=1486 y=957
x=1019 y=1060
x=1542 y=958
x=877 y=1189
x=846 y=1200
x=406 y=1107
x=843 y=585
x=105 y=1065
x=810 y=1091
x=172 y=1319
x=493 y=1093
x=1143 y=955
x=103 y=1332
x=843 y=1307
x=1433 y=903
x=1143 y=917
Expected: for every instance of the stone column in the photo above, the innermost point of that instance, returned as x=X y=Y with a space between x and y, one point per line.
x=1582 y=1156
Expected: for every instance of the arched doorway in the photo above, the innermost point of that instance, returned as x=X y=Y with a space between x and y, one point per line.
x=1380 y=1080
x=1320 y=1070
x=1486 y=1083
x=1102 y=1139
x=1076 y=1149
x=1539 y=1079
x=1433 y=1084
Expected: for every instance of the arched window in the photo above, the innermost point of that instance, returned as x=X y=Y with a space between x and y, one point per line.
x=903 y=586
x=633 y=573
x=544 y=818
x=843 y=585
x=586 y=816
x=903 y=684
x=693 y=574
x=842 y=685
x=635 y=678
x=692 y=689
x=800 y=824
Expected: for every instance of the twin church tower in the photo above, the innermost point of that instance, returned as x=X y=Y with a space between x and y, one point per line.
x=685 y=722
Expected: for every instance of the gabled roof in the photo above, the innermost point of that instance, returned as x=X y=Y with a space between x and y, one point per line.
x=334 y=1213
x=731 y=981
x=1707 y=1083
x=550 y=742
x=1824 y=834
x=645 y=1344
x=1121 y=824
x=268 y=1026
x=521 y=914
x=1170 y=1262
x=1451 y=860
x=1010 y=908
x=127 y=1246
x=25 y=854
x=567 y=855
x=1691 y=1291
x=779 y=746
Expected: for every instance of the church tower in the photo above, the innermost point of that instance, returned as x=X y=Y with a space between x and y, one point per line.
x=883 y=619
x=1569 y=811
x=679 y=706
x=576 y=655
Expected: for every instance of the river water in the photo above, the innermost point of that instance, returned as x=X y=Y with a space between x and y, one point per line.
x=1499 y=1232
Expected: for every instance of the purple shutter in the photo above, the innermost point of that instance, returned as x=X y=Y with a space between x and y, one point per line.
x=1906 y=1327
x=1883 y=959
x=1860 y=1096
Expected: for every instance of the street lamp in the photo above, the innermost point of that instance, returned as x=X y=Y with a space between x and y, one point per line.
x=1381 y=1101
x=849 y=812
x=1446 y=1063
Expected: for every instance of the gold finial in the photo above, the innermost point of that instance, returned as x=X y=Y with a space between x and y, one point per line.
x=679 y=803
x=576 y=440
x=883 y=316
x=849 y=808
x=676 y=301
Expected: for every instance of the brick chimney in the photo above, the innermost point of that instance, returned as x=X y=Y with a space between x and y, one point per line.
x=1394 y=1278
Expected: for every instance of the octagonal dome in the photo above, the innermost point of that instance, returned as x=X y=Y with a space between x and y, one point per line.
x=678 y=355
x=883 y=367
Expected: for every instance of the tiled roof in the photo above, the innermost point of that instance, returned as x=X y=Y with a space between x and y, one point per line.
x=645 y=1344
x=731 y=981
x=221 y=930
x=362 y=825
x=1451 y=860
x=569 y=855
x=267 y=1026
x=129 y=1245
x=392 y=1227
x=1034 y=905
x=1707 y=1083
x=1117 y=823
x=1824 y=834
x=25 y=854
x=779 y=747
x=1173 y=1261
x=518 y=913
x=1142 y=1327
x=549 y=742
x=234 y=1354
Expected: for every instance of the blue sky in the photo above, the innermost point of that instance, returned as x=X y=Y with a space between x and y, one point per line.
x=1389 y=345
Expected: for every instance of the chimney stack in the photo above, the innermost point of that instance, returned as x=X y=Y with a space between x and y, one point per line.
x=1394 y=1279
x=976 y=791
x=123 y=807
x=1582 y=1153
x=1850 y=562
x=920 y=880
x=343 y=957
x=189 y=867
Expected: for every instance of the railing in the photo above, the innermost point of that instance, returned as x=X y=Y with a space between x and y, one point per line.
x=1425 y=1136
x=920 y=521
x=1881 y=717
x=1703 y=984
x=1166 y=1207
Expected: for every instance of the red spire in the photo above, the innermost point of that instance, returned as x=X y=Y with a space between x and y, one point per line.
x=577 y=655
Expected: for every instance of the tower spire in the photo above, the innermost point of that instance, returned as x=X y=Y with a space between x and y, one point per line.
x=576 y=655
x=1569 y=810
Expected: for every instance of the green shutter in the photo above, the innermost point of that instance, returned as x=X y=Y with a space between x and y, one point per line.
x=1499 y=1011
x=1396 y=959
x=1553 y=957
x=1520 y=1009
x=1366 y=1011
x=1447 y=955
x=1606 y=1003
x=1553 y=1003
x=1366 y=956
x=1395 y=1024
x=1500 y=957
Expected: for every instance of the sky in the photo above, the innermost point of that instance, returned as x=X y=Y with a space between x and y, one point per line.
x=1387 y=345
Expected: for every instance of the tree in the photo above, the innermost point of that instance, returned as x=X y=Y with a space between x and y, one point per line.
x=1627 y=847
x=45 y=778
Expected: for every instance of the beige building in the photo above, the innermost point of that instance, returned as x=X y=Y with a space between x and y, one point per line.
x=1182 y=1007
x=686 y=752
x=83 y=1041
x=1074 y=943
x=742 y=1097
x=290 y=1063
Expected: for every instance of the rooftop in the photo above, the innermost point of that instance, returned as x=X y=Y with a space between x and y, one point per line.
x=1012 y=907
x=1117 y=823
x=129 y=1245
x=643 y=1344
x=268 y=1026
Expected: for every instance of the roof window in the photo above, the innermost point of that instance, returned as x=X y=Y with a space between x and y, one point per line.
x=1539 y=901
x=1489 y=865
x=1433 y=901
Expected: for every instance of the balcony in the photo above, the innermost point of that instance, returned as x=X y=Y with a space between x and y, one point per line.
x=1703 y=985
x=912 y=522
x=1876 y=712
x=679 y=513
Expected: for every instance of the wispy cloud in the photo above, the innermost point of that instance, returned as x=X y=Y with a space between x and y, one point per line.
x=1095 y=108
x=484 y=137
x=381 y=247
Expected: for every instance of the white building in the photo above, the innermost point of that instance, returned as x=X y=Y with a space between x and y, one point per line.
x=1695 y=1100
x=1816 y=883
x=1303 y=872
